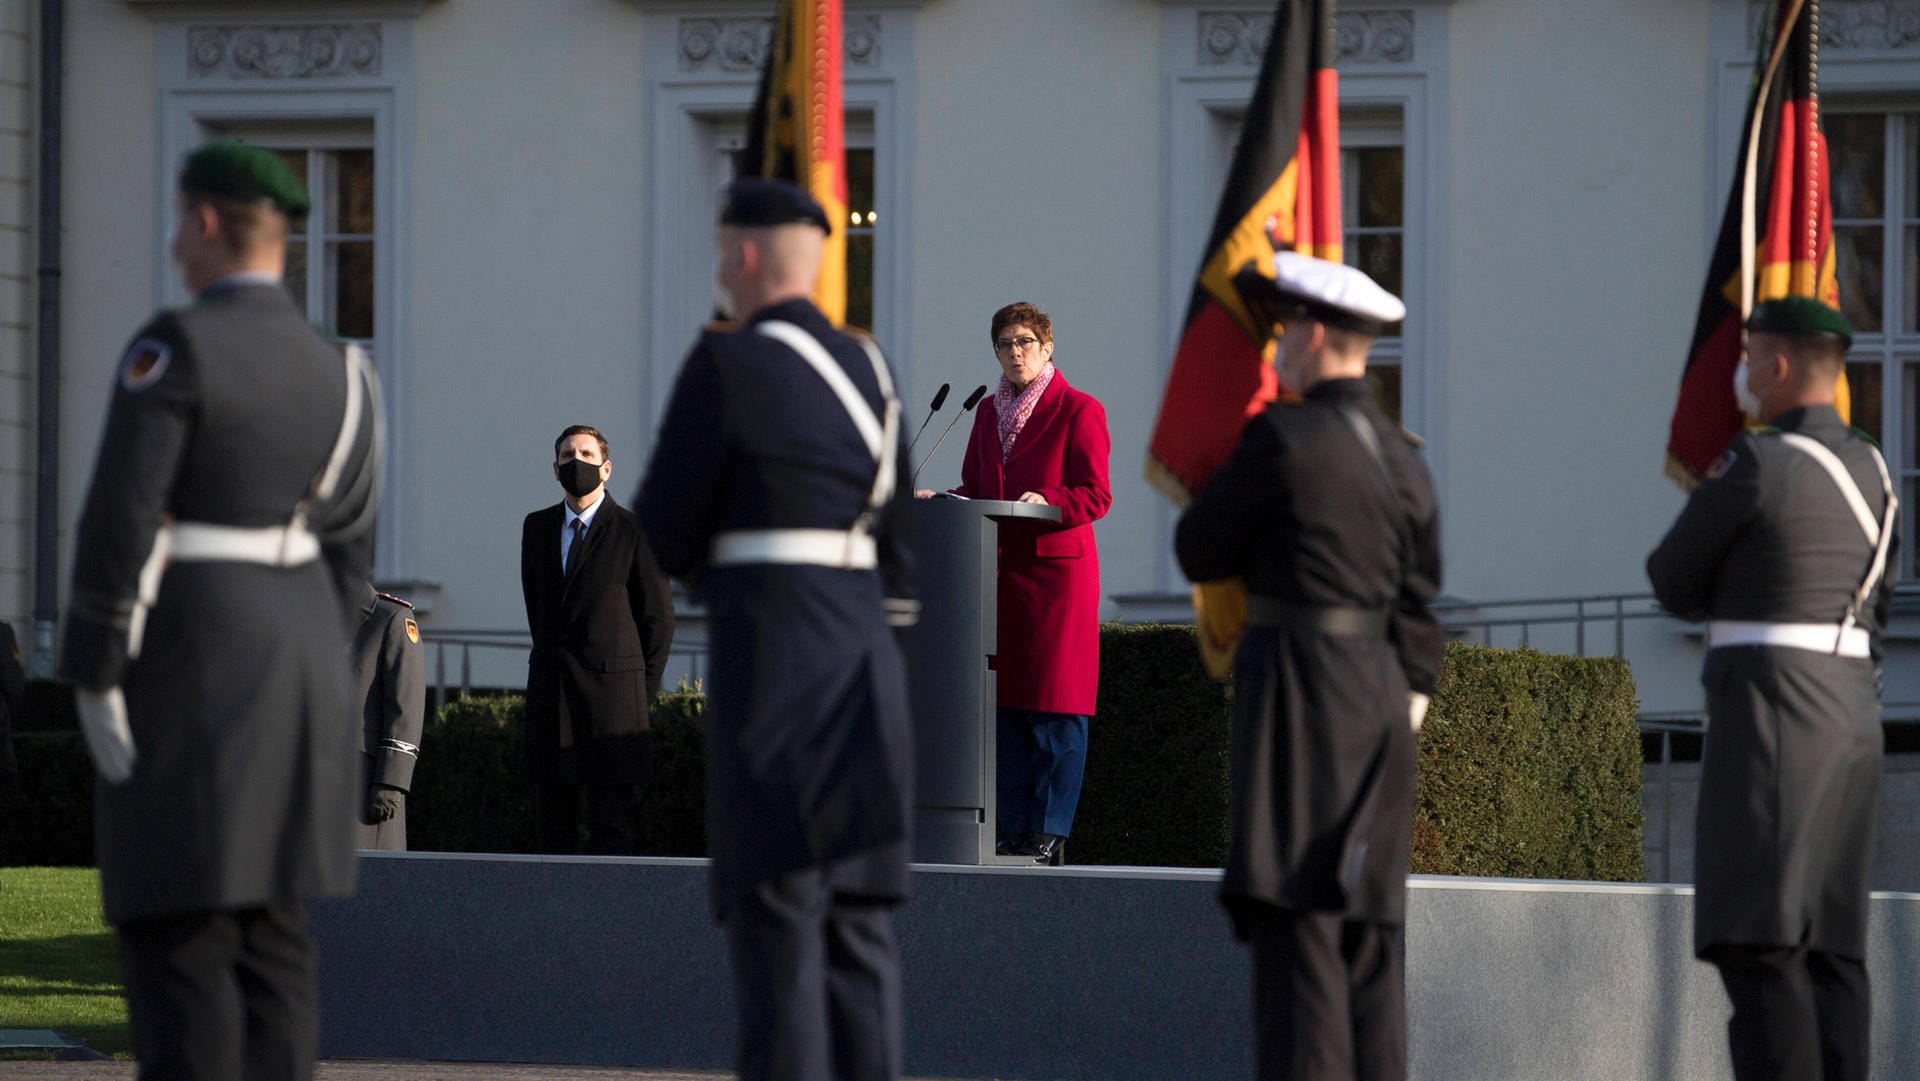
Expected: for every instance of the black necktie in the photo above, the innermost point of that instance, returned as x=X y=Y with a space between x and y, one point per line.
x=573 y=550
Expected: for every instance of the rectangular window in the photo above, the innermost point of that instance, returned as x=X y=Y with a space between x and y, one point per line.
x=330 y=255
x=1373 y=211
x=863 y=218
x=1874 y=170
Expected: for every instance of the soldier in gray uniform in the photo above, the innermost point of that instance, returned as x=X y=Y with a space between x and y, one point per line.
x=390 y=673
x=1783 y=550
x=220 y=551
x=1329 y=514
x=775 y=486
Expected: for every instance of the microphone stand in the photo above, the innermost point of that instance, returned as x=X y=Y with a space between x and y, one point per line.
x=967 y=407
x=939 y=399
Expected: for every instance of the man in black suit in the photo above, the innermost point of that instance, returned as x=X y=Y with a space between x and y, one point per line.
x=602 y=622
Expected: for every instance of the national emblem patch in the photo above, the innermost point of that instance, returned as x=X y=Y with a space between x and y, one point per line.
x=1723 y=463
x=145 y=363
x=413 y=632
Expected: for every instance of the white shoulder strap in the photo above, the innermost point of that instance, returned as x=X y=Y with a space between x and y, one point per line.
x=880 y=435
x=359 y=373
x=1880 y=533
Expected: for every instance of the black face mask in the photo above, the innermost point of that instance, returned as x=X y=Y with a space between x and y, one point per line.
x=578 y=477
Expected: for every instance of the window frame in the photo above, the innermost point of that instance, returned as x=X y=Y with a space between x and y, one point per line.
x=684 y=106
x=1199 y=96
x=1854 y=76
x=194 y=108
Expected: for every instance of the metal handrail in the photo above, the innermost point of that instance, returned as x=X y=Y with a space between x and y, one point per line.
x=690 y=647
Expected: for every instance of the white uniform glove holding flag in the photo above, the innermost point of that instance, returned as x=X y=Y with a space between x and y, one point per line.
x=1417 y=708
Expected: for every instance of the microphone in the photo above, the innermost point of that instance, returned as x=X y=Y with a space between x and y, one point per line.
x=966 y=407
x=939 y=399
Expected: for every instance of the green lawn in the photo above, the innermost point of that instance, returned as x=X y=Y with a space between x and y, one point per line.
x=58 y=965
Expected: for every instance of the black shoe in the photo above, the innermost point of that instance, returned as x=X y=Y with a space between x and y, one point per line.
x=1004 y=844
x=1048 y=850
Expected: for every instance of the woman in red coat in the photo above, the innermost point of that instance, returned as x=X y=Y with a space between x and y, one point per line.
x=1038 y=440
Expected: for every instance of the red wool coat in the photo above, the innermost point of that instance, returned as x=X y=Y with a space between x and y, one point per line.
x=1049 y=631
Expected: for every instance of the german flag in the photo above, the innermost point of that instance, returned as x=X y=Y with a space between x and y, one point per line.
x=797 y=130
x=1776 y=237
x=1282 y=193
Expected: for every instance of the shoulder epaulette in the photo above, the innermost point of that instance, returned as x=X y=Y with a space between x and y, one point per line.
x=408 y=605
x=1858 y=434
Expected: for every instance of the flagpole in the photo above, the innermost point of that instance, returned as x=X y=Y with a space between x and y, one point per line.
x=1750 y=178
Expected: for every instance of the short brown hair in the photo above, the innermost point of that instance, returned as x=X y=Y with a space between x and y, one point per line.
x=246 y=226
x=581 y=429
x=1022 y=314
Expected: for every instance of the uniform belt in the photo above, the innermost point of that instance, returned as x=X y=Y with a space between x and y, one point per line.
x=1818 y=637
x=275 y=546
x=845 y=549
x=1339 y=620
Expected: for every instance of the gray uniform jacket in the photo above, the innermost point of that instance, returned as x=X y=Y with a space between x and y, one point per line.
x=390 y=676
x=1321 y=799
x=244 y=787
x=809 y=744
x=1791 y=773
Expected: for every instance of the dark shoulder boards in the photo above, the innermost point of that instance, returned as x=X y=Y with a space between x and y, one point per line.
x=390 y=597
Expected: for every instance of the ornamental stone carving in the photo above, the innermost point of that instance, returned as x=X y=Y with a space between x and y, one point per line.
x=739 y=45
x=1382 y=37
x=1866 y=25
x=1233 y=39
x=284 y=52
x=1239 y=39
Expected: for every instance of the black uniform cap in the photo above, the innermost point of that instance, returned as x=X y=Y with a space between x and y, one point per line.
x=758 y=202
x=236 y=170
x=1800 y=316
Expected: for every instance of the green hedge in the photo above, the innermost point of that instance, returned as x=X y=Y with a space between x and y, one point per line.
x=1155 y=793
x=1529 y=768
x=469 y=795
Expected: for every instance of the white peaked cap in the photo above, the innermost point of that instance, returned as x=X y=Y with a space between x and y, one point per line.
x=1336 y=286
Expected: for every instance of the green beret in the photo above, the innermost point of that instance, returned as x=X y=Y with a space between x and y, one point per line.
x=1799 y=315
x=235 y=170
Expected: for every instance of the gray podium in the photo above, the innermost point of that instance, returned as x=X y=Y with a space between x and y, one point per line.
x=954 y=693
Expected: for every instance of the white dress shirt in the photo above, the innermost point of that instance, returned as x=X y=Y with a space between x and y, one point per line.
x=566 y=526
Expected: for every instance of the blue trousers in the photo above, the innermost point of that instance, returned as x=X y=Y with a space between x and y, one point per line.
x=1042 y=758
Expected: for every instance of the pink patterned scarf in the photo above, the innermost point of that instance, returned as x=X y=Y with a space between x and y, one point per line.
x=1015 y=406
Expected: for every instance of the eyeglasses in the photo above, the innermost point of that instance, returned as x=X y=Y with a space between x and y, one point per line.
x=1016 y=345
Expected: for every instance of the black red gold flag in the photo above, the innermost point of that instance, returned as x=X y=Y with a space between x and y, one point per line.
x=1282 y=193
x=797 y=130
x=1776 y=237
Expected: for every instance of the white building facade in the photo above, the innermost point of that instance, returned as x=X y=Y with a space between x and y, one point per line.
x=514 y=205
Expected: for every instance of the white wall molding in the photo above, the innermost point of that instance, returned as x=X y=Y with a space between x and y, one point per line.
x=278 y=51
x=1856 y=25
x=739 y=44
x=1238 y=39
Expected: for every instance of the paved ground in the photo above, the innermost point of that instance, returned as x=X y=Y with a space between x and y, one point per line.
x=380 y=1071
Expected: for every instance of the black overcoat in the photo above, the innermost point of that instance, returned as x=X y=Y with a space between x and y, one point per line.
x=247 y=774
x=1321 y=799
x=809 y=745
x=1790 y=777
x=600 y=642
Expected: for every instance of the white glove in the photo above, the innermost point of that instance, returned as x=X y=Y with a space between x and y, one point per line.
x=1417 y=708
x=103 y=717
